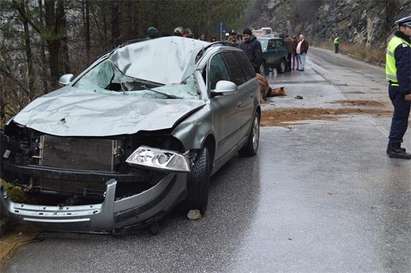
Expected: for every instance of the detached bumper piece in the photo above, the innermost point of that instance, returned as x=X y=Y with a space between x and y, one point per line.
x=110 y=216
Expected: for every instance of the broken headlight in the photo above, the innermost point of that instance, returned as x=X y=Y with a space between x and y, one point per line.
x=160 y=159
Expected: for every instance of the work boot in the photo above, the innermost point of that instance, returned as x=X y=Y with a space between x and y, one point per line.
x=395 y=151
x=395 y=146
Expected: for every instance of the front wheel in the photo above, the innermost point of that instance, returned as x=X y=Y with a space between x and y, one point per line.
x=253 y=141
x=198 y=182
x=264 y=69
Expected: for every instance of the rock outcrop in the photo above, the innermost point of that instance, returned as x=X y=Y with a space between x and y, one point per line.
x=366 y=22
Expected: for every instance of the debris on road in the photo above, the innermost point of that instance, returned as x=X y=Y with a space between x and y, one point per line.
x=13 y=240
x=12 y=237
x=286 y=116
x=298 y=97
x=194 y=214
x=3 y=226
x=16 y=193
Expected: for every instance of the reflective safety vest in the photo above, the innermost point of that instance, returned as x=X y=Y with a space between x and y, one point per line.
x=337 y=41
x=390 y=64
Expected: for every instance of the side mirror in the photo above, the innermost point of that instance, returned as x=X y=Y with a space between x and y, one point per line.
x=66 y=79
x=224 y=88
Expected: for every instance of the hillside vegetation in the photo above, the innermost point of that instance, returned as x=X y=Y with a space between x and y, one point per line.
x=361 y=24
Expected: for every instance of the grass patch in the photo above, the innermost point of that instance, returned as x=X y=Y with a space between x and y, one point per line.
x=360 y=52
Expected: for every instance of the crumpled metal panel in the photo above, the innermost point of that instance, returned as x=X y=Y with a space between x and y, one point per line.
x=167 y=60
x=78 y=112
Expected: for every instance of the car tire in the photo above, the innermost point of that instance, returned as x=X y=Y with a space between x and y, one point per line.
x=3 y=221
x=198 y=182
x=282 y=67
x=264 y=69
x=251 y=146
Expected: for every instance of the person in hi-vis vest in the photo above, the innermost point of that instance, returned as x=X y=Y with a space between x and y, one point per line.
x=398 y=71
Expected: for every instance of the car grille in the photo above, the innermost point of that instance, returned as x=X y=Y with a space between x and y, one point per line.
x=78 y=153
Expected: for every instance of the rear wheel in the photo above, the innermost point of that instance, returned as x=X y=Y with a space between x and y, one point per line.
x=282 y=66
x=251 y=147
x=198 y=182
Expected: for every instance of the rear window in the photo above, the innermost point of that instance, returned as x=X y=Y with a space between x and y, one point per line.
x=234 y=67
x=246 y=66
x=271 y=44
x=264 y=44
x=279 y=43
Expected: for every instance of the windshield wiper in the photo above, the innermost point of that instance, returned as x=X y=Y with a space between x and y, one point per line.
x=169 y=96
x=145 y=84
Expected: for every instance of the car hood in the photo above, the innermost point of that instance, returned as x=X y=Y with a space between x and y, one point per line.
x=74 y=112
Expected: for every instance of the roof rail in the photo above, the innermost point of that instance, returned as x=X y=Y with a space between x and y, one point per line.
x=132 y=41
x=201 y=53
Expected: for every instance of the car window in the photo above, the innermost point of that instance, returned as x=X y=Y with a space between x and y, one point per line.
x=279 y=43
x=271 y=44
x=264 y=44
x=235 y=71
x=218 y=71
x=248 y=69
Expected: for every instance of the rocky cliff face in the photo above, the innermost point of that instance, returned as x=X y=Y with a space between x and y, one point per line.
x=367 y=22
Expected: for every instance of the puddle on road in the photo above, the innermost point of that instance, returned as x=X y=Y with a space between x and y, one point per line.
x=288 y=116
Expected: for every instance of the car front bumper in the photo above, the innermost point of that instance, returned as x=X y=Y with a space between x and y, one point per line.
x=111 y=216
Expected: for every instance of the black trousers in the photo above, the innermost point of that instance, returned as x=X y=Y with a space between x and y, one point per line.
x=399 y=122
x=289 y=62
x=336 y=47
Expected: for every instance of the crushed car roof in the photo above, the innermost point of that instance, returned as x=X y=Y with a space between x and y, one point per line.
x=167 y=60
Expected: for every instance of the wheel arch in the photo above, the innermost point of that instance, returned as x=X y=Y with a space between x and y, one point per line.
x=258 y=110
x=210 y=143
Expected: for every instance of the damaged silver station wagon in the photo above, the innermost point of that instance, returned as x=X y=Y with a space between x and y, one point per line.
x=137 y=133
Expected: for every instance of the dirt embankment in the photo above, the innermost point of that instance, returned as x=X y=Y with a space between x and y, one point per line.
x=287 y=116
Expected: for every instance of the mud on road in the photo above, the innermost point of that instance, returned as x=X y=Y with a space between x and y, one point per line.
x=288 y=116
x=12 y=240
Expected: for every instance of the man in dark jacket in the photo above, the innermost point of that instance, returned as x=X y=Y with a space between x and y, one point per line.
x=252 y=48
x=290 y=47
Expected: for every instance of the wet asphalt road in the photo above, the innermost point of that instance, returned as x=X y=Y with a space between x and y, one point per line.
x=319 y=197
